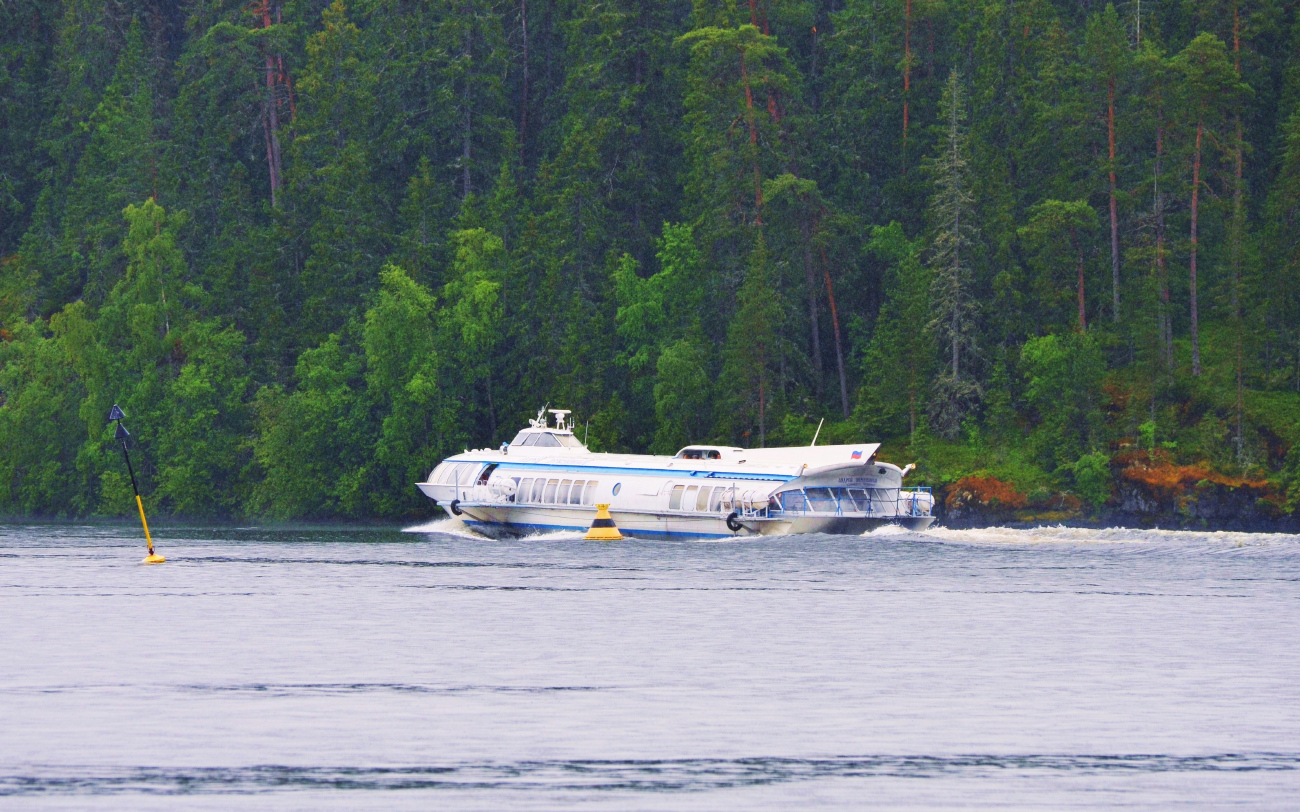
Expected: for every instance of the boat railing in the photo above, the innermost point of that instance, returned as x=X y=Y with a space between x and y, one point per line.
x=915 y=502
x=835 y=501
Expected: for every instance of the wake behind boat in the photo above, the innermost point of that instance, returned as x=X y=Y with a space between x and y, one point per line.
x=546 y=480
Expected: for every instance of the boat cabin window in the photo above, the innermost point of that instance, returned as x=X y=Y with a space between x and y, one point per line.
x=675 y=499
x=550 y=491
x=589 y=498
x=569 y=441
x=562 y=495
x=538 y=486
x=822 y=500
x=699 y=454
x=547 y=440
x=718 y=493
x=531 y=439
x=487 y=474
x=688 y=501
x=702 y=504
x=525 y=490
x=575 y=495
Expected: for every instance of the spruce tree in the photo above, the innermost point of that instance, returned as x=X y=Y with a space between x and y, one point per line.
x=952 y=303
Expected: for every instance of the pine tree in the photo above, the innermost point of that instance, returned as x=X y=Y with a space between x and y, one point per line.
x=900 y=357
x=1211 y=92
x=952 y=303
x=1106 y=59
x=751 y=353
x=1058 y=229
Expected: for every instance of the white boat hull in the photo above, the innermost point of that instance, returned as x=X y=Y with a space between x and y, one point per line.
x=547 y=481
x=510 y=520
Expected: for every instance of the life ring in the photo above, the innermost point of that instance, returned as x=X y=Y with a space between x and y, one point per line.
x=455 y=507
x=733 y=522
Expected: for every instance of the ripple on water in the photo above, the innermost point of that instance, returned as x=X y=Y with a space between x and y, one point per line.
x=651 y=775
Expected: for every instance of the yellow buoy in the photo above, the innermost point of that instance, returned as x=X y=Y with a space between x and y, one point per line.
x=603 y=527
x=152 y=557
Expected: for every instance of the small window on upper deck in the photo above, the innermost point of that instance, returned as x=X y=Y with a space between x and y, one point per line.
x=547 y=440
x=568 y=441
x=519 y=438
x=530 y=440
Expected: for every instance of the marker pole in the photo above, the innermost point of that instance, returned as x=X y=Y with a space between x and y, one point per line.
x=152 y=558
x=139 y=503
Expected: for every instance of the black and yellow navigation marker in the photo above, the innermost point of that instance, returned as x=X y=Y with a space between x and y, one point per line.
x=122 y=434
x=602 y=527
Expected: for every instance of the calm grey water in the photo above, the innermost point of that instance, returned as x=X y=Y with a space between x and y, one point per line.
x=378 y=669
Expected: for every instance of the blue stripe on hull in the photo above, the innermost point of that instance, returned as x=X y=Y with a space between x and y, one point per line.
x=518 y=528
x=673 y=473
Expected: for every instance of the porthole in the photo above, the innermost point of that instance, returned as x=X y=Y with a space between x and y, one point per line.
x=618 y=486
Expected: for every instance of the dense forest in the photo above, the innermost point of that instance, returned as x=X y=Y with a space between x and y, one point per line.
x=1044 y=248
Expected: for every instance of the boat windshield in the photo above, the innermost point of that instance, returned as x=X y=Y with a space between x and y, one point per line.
x=545 y=439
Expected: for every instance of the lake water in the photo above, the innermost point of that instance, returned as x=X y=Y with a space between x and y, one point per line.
x=328 y=668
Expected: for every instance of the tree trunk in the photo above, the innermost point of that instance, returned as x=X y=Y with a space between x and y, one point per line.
x=271 y=116
x=1191 y=274
x=911 y=415
x=753 y=138
x=810 y=277
x=1114 y=209
x=907 y=73
x=1165 y=326
x=1078 y=248
x=839 y=351
x=467 y=121
x=956 y=259
x=1238 y=226
x=523 y=102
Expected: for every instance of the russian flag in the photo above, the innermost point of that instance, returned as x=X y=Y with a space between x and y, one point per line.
x=857 y=455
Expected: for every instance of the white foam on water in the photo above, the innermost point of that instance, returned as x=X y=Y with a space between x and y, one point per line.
x=1060 y=534
x=450 y=526
x=453 y=526
x=557 y=535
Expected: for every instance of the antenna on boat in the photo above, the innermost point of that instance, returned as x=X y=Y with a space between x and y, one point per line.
x=560 y=414
x=540 y=421
x=586 y=432
x=819 y=431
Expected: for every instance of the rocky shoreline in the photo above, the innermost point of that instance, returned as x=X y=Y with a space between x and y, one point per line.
x=1147 y=492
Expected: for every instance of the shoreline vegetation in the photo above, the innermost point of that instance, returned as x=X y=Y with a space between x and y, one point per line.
x=1050 y=252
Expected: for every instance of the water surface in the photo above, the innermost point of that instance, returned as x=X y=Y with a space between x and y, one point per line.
x=333 y=668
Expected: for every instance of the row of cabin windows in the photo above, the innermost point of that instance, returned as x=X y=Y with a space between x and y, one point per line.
x=557 y=491
x=451 y=473
x=699 y=499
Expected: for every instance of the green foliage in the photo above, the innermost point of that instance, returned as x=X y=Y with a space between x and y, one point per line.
x=1092 y=479
x=312 y=248
x=682 y=396
x=899 y=360
x=1055 y=236
x=1063 y=375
